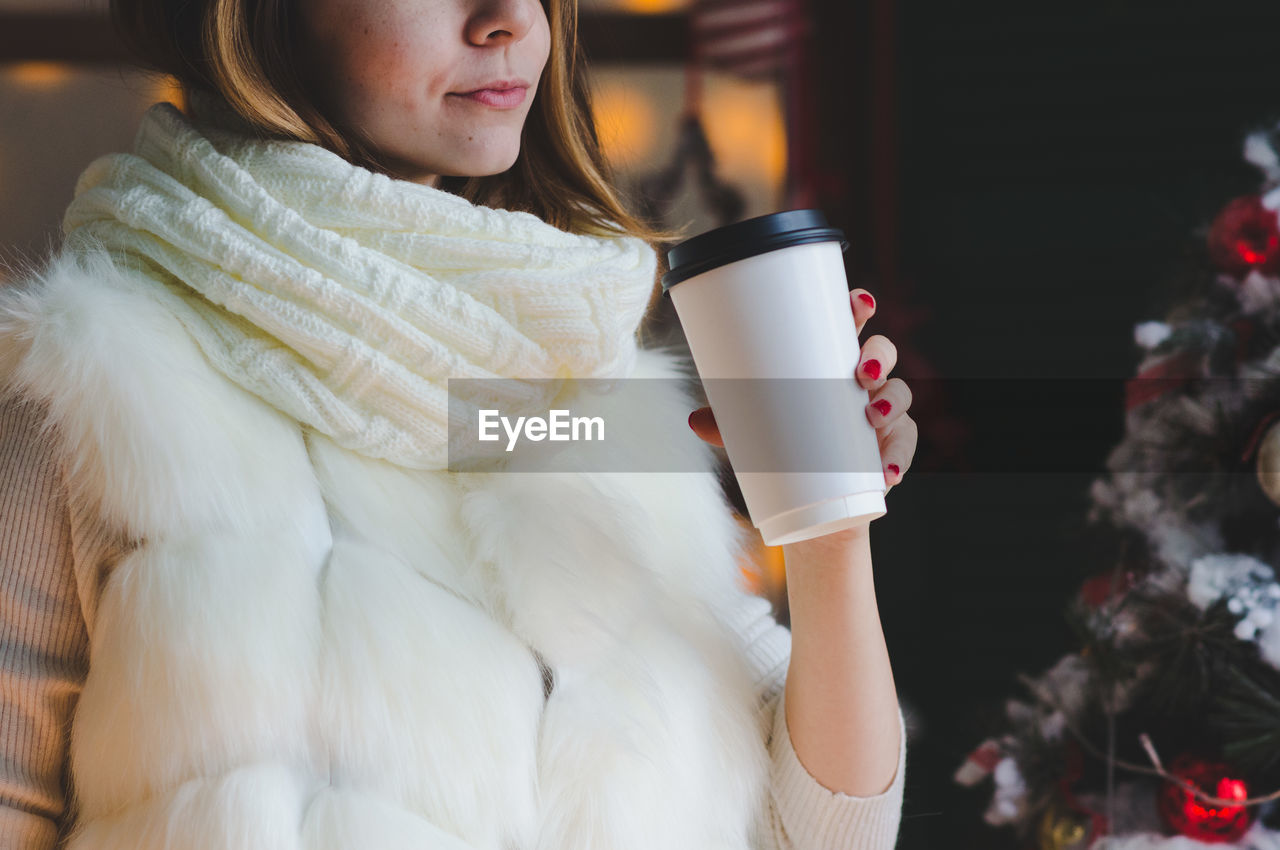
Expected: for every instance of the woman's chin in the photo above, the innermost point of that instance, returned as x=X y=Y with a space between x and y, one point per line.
x=487 y=166
x=462 y=167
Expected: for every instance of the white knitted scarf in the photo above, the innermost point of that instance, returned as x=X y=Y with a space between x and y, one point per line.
x=346 y=298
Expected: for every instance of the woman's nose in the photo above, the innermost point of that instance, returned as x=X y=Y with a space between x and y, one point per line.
x=498 y=21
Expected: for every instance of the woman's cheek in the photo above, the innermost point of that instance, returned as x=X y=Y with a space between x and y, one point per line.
x=376 y=79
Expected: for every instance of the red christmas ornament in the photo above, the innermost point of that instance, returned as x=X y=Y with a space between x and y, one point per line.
x=1165 y=375
x=1245 y=236
x=1101 y=589
x=1196 y=818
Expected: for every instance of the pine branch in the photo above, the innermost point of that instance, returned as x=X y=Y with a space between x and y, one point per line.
x=1247 y=711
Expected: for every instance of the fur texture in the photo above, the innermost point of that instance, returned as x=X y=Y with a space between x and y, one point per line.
x=313 y=648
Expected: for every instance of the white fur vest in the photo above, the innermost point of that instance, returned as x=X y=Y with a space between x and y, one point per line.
x=310 y=648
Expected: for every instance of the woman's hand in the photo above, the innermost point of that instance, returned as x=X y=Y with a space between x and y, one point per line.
x=896 y=432
x=841 y=700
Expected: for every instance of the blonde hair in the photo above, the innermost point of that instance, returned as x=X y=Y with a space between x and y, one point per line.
x=246 y=52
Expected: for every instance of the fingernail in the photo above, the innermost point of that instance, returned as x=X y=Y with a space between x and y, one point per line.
x=893 y=468
x=872 y=368
x=691 y=419
x=867 y=299
x=883 y=406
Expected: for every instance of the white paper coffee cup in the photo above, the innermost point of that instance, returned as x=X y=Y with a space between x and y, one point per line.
x=764 y=302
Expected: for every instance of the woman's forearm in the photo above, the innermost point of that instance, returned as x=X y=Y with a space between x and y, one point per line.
x=841 y=701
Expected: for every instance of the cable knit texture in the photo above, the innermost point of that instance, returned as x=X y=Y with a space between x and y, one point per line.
x=347 y=298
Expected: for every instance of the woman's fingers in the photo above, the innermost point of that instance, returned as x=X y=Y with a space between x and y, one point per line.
x=897 y=448
x=889 y=402
x=864 y=307
x=876 y=360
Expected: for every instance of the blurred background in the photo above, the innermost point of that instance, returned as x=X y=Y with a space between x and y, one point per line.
x=1020 y=183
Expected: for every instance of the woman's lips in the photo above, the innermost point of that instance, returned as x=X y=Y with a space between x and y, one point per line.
x=501 y=98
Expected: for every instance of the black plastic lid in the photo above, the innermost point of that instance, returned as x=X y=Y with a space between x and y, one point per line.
x=747 y=238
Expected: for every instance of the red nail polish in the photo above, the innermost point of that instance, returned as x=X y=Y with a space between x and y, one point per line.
x=691 y=419
x=883 y=406
x=872 y=368
x=867 y=299
x=893 y=467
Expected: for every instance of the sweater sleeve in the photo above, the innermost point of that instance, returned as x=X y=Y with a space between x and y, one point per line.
x=44 y=643
x=804 y=814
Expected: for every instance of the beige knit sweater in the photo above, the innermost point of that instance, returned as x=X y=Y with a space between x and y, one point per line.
x=51 y=562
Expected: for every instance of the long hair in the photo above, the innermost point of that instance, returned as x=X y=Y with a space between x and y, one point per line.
x=247 y=52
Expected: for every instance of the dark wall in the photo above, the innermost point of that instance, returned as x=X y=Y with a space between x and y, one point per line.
x=1053 y=164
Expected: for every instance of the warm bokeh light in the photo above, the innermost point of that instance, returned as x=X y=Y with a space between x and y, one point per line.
x=746 y=130
x=639 y=114
x=652 y=7
x=168 y=89
x=774 y=568
x=626 y=120
x=39 y=75
x=763 y=569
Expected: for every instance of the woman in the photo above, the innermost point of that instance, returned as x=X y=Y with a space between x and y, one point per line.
x=229 y=486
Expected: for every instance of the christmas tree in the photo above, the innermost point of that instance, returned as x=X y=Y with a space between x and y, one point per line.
x=1163 y=729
